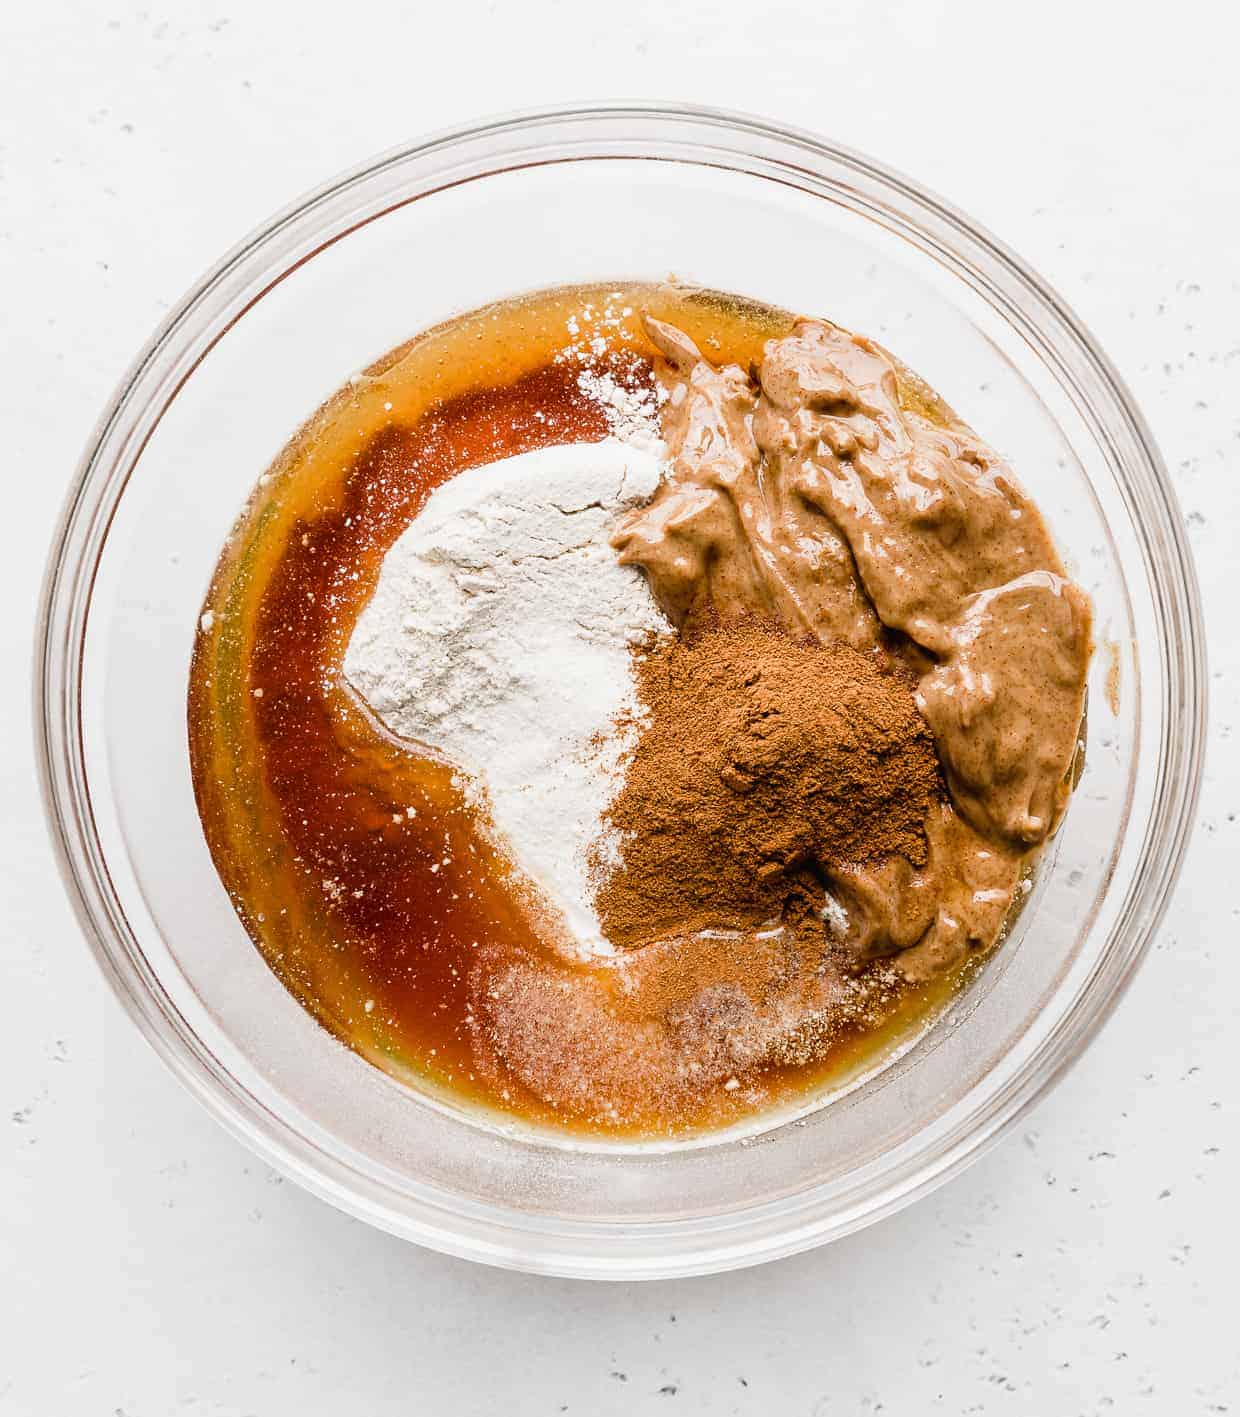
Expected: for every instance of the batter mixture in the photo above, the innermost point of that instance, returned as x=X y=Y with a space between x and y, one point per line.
x=632 y=708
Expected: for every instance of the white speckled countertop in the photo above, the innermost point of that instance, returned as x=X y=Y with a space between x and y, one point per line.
x=148 y=1266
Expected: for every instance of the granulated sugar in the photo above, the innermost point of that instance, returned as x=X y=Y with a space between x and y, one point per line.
x=500 y=634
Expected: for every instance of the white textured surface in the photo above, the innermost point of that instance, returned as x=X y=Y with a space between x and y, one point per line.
x=501 y=632
x=148 y=1266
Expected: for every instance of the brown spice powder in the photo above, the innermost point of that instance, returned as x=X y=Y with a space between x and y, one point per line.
x=765 y=761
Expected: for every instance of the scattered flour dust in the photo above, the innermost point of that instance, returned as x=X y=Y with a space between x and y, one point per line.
x=500 y=633
x=632 y=414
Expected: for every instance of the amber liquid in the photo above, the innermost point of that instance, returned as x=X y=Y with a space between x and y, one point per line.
x=355 y=862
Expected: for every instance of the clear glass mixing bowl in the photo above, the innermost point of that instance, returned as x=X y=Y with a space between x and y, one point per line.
x=377 y=255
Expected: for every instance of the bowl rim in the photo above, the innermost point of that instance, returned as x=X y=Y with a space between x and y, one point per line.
x=155 y=376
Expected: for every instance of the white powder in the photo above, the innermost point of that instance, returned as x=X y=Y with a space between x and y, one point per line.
x=632 y=414
x=500 y=634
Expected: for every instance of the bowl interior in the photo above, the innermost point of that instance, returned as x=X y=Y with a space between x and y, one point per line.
x=422 y=236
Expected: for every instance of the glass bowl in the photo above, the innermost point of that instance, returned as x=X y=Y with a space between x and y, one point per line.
x=354 y=269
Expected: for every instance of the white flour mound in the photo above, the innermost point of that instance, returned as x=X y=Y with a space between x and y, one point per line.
x=500 y=634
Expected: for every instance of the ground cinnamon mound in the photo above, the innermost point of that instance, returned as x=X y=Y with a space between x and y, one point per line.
x=764 y=762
